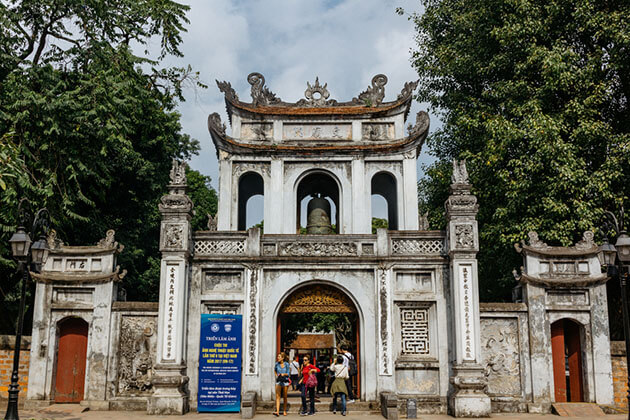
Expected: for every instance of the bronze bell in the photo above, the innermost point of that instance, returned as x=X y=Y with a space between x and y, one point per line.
x=318 y=219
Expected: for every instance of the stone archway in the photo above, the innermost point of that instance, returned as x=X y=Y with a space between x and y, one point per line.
x=317 y=298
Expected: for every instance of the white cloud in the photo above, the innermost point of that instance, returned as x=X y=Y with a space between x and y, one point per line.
x=345 y=43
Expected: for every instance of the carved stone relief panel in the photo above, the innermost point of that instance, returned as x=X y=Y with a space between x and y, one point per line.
x=414 y=282
x=262 y=131
x=239 y=168
x=377 y=131
x=222 y=282
x=317 y=249
x=136 y=353
x=500 y=355
x=317 y=131
x=464 y=236
x=417 y=381
x=173 y=236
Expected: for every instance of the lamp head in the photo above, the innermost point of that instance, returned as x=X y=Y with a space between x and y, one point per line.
x=20 y=244
x=607 y=253
x=623 y=247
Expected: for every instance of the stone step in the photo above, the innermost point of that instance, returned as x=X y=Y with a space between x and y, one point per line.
x=577 y=409
x=294 y=406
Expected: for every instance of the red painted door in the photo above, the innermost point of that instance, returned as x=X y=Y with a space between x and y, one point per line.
x=574 y=355
x=72 y=350
x=557 y=352
x=567 y=361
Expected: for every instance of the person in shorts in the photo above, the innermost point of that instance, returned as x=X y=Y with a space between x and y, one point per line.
x=282 y=371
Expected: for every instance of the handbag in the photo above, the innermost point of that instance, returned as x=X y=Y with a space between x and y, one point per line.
x=311 y=381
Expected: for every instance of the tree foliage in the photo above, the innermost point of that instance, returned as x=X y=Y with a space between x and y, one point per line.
x=89 y=128
x=534 y=95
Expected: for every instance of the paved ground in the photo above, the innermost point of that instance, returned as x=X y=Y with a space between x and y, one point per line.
x=74 y=412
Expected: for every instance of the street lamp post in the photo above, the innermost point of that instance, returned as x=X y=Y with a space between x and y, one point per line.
x=620 y=252
x=29 y=256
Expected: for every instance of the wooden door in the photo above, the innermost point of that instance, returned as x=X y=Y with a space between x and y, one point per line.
x=567 y=361
x=559 y=370
x=574 y=358
x=71 y=355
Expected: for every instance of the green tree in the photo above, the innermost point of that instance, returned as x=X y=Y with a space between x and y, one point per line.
x=534 y=95
x=88 y=128
x=378 y=223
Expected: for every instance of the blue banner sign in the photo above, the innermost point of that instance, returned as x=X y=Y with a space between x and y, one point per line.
x=220 y=363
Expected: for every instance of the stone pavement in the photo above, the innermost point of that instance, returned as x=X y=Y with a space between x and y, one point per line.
x=75 y=412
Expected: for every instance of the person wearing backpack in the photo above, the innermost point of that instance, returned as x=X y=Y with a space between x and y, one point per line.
x=350 y=363
x=338 y=388
x=308 y=383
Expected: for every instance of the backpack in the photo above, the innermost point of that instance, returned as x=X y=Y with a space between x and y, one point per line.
x=352 y=366
x=311 y=381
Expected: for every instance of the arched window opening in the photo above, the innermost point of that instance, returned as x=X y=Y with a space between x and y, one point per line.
x=317 y=204
x=250 y=186
x=384 y=185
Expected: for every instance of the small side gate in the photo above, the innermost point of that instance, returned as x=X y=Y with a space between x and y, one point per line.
x=71 y=356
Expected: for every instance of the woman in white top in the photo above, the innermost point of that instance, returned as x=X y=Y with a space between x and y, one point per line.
x=338 y=388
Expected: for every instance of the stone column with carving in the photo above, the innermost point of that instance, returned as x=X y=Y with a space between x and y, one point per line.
x=468 y=397
x=170 y=395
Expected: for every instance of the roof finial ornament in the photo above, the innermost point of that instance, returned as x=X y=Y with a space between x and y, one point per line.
x=228 y=90
x=214 y=121
x=261 y=95
x=460 y=173
x=421 y=125
x=373 y=95
x=316 y=95
x=407 y=90
x=178 y=172
x=535 y=242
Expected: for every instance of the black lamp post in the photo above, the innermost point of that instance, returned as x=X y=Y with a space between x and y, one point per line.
x=29 y=257
x=607 y=256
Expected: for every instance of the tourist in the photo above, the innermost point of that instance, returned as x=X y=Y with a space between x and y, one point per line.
x=282 y=371
x=322 y=365
x=338 y=388
x=295 y=372
x=350 y=363
x=308 y=383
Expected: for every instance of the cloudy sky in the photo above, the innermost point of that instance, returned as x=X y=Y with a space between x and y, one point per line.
x=344 y=42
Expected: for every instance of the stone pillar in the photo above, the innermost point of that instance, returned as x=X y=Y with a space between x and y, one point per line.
x=224 y=210
x=362 y=220
x=410 y=193
x=170 y=395
x=539 y=348
x=468 y=398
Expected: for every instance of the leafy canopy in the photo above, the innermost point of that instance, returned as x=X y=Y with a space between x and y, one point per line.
x=534 y=95
x=88 y=128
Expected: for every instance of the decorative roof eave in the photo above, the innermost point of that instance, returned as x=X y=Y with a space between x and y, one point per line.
x=265 y=102
x=585 y=247
x=107 y=245
x=51 y=277
x=568 y=282
x=231 y=145
x=557 y=251
x=385 y=109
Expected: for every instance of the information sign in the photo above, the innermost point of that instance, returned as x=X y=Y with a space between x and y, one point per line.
x=220 y=363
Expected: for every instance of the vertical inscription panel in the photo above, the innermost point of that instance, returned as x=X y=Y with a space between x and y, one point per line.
x=467 y=311
x=170 y=315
